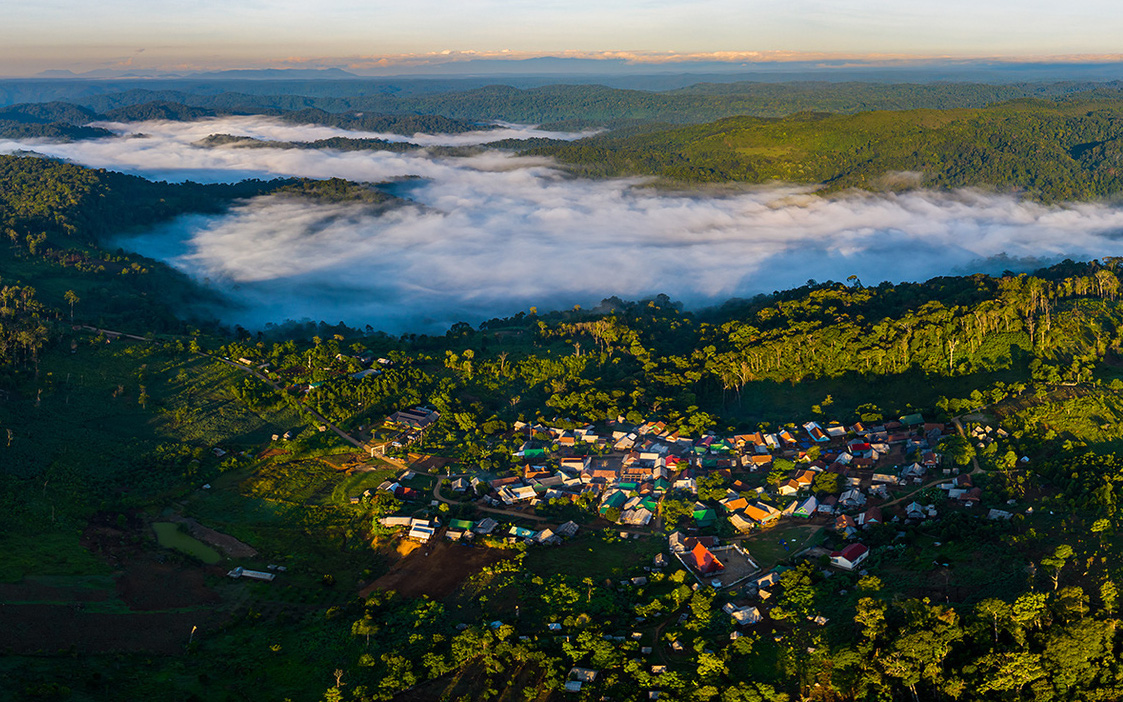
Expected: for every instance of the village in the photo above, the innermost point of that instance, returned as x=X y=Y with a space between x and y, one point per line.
x=720 y=504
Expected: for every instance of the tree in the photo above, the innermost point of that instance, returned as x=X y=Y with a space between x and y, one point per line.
x=958 y=450
x=72 y=298
x=1057 y=562
x=830 y=483
x=994 y=610
x=365 y=627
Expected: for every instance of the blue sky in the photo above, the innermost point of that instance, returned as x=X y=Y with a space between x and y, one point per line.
x=207 y=34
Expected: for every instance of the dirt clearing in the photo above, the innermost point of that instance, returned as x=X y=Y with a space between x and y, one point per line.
x=436 y=569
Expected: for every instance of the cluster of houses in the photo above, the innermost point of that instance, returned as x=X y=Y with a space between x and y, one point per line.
x=424 y=530
x=627 y=469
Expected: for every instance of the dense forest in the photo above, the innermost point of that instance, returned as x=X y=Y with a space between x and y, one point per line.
x=66 y=121
x=595 y=104
x=1052 y=150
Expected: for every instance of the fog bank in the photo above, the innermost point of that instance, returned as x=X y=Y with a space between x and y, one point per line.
x=494 y=234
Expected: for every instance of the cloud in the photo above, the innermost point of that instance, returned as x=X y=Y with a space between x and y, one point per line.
x=493 y=234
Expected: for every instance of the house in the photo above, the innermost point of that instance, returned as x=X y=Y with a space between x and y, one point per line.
x=760 y=460
x=241 y=572
x=871 y=517
x=761 y=513
x=746 y=616
x=416 y=418
x=827 y=504
x=677 y=542
x=807 y=508
x=766 y=580
x=639 y=517
x=702 y=560
x=421 y=532
x=396 y=521
x=852 y=498
x=741 y=523
x=704 y=517
x=486 y=526
x=845 y=525
x=850 y=557
x=912 y=420
x=816 y=432
x=971 y=497
x=568 y=530
x=915 y=510
x=914 y=471
x=788 y=487
x=547 y=536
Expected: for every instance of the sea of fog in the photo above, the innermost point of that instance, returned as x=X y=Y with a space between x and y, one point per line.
x=492 y=234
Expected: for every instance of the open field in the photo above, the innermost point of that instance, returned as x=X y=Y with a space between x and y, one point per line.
x=768 y=547
x=588 y=555
x=170 y=536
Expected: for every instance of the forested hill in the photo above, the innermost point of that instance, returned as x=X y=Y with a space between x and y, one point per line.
x=65 y=121
x=45 y=203
x=578 y=103
x=1052 y=150
x=42 y=200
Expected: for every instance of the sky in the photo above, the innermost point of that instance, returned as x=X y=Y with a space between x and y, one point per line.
x=376 y=36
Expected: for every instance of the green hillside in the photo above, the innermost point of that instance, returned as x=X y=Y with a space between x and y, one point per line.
x=1052 y=150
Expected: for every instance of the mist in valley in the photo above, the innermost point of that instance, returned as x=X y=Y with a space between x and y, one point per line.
x=494 y=233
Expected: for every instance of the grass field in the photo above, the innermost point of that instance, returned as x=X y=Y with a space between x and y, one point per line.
x=170 y=536
x=769 y=547
x=590 y=556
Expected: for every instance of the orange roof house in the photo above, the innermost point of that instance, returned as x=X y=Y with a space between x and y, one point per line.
x=703 y=561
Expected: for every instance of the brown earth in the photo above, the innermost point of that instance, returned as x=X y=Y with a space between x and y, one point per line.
x=422 y=463
x=345 y=461
x=436 y=569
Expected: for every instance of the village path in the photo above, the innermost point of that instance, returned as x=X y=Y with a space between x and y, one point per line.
x=511 y=513
x=974 y=459
x=975 y=470
x=112 y=333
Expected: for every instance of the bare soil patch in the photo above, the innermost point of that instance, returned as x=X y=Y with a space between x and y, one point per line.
x=436 y=569
x=422 y=463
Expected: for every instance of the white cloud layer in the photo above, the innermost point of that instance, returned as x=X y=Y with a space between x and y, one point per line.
x=494 y=234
